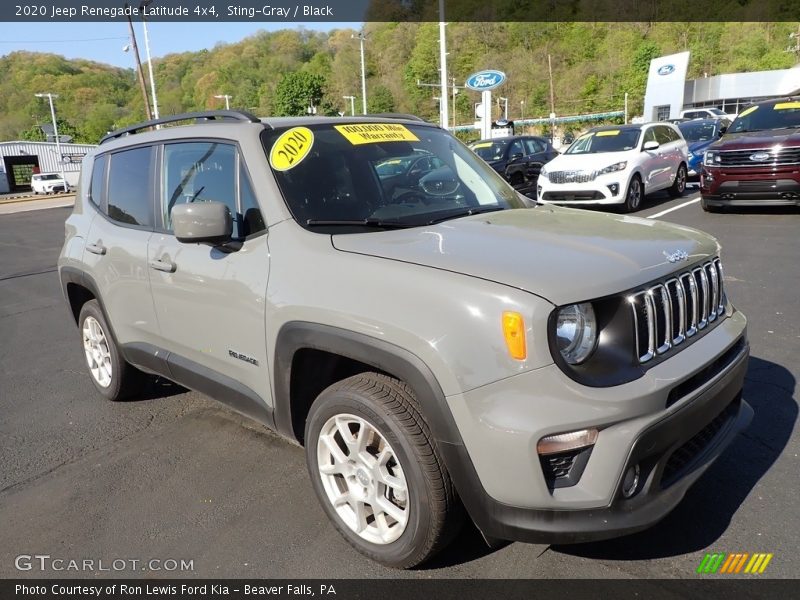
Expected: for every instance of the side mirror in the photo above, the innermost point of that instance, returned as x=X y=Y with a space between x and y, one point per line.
x=650 y=146
x=203 y=222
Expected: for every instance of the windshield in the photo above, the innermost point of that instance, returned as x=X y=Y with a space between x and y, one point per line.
x=354 y=177
x=694 y=131
x=716 y=111
x=489 y=150
x=605 y=140
x=773 y=115
x=46 y=177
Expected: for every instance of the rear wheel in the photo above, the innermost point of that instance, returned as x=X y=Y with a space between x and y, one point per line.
x=679 y=185
x=633 y=197
x=111 y=375
x=377 y=472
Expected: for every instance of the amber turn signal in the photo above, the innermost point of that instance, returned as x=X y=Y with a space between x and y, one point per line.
x=514 y=332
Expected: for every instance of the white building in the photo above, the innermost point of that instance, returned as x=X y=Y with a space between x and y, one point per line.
x=19 y=160
x=668 y=91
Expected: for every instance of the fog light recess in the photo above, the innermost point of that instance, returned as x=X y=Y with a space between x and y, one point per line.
x=630 y=485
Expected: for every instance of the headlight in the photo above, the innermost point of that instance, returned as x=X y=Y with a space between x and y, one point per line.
x=543 y=173
x=576 y=332
x=620 y=166
x=711 y=158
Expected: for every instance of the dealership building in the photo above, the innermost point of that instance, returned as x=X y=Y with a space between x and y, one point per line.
x=19 y=160
x=669 y=92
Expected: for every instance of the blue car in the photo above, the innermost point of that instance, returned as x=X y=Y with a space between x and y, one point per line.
x=699 y=135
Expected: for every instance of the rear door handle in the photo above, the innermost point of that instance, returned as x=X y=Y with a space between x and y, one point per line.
x=96 y=249
x=163 y=265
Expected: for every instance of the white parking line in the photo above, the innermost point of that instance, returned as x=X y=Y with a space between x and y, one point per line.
x=669 y=210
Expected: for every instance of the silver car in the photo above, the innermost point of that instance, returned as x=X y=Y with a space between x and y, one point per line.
x=442 y=348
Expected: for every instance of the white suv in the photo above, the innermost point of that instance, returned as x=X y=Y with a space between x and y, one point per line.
x=48 y=183
x=617 y=165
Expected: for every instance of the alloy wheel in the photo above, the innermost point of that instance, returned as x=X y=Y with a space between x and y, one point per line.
x=98 y=355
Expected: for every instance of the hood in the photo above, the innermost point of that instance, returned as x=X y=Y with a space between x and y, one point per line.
x=758 y=139
x=563 y=255
x=586 y=162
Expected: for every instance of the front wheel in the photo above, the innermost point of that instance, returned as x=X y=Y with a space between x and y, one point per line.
x=633 y=198
x=377 y=472
x=679 y=185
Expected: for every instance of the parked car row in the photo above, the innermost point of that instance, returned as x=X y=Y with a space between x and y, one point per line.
x=751 y=160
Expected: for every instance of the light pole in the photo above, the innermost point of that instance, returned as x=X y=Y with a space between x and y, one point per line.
x=144 y=5
x=361 y=37
x=352 y=104
x=227 y=98
x=443 y=116
x=522 y=110
x=55 y=133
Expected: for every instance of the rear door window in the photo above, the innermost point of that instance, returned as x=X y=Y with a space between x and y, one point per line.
x=129 y=196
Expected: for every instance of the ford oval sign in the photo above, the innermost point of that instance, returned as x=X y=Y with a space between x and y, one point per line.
x=485 y=80
x=666 y=69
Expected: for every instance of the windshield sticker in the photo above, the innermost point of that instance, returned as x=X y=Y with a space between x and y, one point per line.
x=482 y=145
x=786 y=105
x=746 y=112
x=291 y=148
x=373 y=133
x=609 y=132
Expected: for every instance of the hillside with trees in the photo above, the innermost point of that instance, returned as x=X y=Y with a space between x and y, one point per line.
x=285 y=72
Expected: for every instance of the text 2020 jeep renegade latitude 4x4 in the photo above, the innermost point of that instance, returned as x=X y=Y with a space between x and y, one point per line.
x=562 y=375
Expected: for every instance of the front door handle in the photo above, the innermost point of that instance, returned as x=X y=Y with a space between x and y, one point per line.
x=96 y=249
x=163 y=265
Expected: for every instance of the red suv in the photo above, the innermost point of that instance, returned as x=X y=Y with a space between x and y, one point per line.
x=757 y=161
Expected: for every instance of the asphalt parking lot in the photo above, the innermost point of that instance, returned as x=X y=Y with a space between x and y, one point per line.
x=176 y=476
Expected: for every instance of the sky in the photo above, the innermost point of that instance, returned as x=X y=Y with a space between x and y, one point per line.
x=103 y=42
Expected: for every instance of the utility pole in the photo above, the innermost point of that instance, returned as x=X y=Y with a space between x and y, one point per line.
x=552 y=93
x=55 y=133
x=438 y=98
x=361 y=37
x=144 y=5
x=444 y=118
x=139 y=71
x=455 y=91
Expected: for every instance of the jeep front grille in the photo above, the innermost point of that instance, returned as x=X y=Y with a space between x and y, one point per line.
x=667 y=314
x=571 y=176
x=778 y=157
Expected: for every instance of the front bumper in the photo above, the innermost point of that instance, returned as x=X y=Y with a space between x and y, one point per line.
x=672 y=446
x=749 y=187
x=604 y=189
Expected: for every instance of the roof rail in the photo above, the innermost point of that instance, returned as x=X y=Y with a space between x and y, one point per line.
x=208 y=115
x=391 y=115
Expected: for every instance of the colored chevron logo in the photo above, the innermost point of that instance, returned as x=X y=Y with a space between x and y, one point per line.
x=742 y=562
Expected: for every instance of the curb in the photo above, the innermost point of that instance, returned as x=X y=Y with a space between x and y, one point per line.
x=33 y=198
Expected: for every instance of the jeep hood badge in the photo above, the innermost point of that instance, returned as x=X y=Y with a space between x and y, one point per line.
x=676 y=256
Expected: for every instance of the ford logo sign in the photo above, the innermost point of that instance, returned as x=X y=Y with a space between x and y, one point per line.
x=485 y=80
x=760 y=156
x=666 y=69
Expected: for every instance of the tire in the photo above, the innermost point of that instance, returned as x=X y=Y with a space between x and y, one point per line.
x=679 y=185
x=709 y=208
x=401 y=472
x=111 y=375
x=634 y=194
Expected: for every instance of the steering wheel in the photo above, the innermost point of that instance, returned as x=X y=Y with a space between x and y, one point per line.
x=410 y=197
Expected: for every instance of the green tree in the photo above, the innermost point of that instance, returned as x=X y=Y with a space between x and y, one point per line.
x=296 y=92
x=380 y=100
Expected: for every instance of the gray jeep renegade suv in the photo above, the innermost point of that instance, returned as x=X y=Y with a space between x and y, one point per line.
x=372 y=290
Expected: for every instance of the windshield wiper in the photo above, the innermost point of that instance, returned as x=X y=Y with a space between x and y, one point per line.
x=466 y=213
x=377 y=223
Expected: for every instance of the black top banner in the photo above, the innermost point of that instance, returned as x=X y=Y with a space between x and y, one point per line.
x=293 y=11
